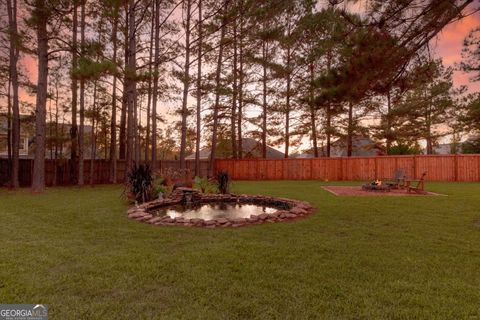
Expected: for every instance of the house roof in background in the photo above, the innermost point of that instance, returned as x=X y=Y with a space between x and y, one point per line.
x=251 y=148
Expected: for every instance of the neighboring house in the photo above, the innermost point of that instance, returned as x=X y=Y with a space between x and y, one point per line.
x=26 y=135
x=251 y=149
x=443 y=148
x=301 y=156
x=27 y=138
x=471 y=145
x=361 y=147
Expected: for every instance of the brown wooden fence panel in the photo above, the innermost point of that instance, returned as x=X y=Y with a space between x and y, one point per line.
x=360 y=168
x=468 y=168
x=385 y=167
x=59 y=172
x=437 y=167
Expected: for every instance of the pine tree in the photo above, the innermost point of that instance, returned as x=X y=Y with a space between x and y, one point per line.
x=14 y=55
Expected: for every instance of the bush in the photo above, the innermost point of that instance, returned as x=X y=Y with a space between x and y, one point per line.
x=139 y=183
x=160 y=186
x=404 y=149
x=471 y=146
x=205 y=185
x=177 y=177
x=223 y=180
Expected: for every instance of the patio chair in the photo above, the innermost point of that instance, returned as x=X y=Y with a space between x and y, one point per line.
x=417 y=186
x=398 y=180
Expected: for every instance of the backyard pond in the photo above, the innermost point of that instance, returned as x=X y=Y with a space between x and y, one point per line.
x=190 y=207
x=210 y=211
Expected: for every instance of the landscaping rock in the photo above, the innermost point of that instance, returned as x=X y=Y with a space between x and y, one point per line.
x=197 y=222
x=298 y=210
x=145 y=217
x=239 y=220
x=228 y=224
x=222 y=220
x=154 y=220
x=263 y=216
x=137 y=215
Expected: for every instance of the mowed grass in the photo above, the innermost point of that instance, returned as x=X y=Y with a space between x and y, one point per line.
x=354 y=258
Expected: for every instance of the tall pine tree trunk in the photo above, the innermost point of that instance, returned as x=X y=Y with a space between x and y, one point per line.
x=14 y=52
x=113 y=124
x=186 y=82
x=131 y=85
x=211 y=167
x=199 y=91
x=57 y=137
x=350 y=130
x=428 y=130
x=136 y=125
x=9 y=124
x=240 y=88
x=329 y=111
x=389 y=123
x=123 y=114
x=264 y=104
x=74 y=128
x=41 y=18
x=233 y=119
x=328 y=129
x=313 y=113
x=287 y=104
x=155 y=84
x=149 y=94
x=81 y=131
x=93 y=136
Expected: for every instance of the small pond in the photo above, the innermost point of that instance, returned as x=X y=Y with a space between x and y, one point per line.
x=215 y=210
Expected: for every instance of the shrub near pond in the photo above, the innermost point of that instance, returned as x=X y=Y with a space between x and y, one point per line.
x=138 y=186
x=205 y=185
x=223 y=180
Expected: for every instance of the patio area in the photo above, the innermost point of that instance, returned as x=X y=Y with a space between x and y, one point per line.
x=359 y=192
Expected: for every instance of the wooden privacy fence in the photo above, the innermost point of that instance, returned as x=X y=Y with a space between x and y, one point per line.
x=438 y=168
x=101 y=171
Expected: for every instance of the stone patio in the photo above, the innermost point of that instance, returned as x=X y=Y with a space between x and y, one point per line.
x=357 y=191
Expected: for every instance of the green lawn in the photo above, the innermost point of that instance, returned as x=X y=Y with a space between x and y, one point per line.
x=354 y=258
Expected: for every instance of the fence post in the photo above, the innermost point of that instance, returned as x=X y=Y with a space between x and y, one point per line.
x=414 y=167
x=455 y=162
x=478 y=171
x=311 y=169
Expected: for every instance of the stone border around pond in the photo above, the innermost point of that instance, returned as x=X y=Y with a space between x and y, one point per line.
x=293 y=209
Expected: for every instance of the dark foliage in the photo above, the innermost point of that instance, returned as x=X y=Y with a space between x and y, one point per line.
x=139 y=183
x=471 y=147
x=223 y=180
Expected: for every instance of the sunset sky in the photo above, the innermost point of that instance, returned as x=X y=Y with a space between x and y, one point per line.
x=448 y=46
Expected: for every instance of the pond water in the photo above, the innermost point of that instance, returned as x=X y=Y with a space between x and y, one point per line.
x=209 y=211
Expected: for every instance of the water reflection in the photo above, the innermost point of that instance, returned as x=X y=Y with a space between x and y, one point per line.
x=208 y=211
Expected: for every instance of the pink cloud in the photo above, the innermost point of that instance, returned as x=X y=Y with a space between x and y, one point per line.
x=449 y=45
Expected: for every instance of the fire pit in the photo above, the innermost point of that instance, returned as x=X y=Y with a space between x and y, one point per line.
x=376 y=186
